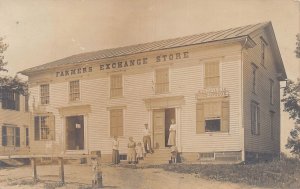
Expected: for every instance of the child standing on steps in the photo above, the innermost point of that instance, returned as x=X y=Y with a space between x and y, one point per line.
x=139 y=152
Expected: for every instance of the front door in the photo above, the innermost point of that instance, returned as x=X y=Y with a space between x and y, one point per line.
x=75 y=132
x=159 y=128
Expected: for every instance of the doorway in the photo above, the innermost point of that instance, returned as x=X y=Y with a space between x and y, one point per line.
x=75 y=132
x=161 y=124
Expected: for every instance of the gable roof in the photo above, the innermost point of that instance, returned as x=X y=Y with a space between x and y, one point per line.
x=217 y=36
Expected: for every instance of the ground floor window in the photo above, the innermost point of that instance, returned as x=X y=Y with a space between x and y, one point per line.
x=212 y=115
x=44 y=127
x=116 y=122
x=26 y=136
x=10 y=136
x=255 y=118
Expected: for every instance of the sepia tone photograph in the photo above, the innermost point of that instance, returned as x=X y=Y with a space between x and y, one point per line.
x=146 y=94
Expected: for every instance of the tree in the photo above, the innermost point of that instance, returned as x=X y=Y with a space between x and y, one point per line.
x=8 y=83
x=291 y=102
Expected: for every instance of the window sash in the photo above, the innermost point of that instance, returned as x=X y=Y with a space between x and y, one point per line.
x=10 y=100
x=44 y=128
x=212 y=74
x=255 y=119
x=116 y=122
x=116 y=86
x=74 y=90
x=162 y=81
x=44 y=93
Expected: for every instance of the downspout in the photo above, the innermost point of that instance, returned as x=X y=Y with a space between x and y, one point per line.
x=242 y=103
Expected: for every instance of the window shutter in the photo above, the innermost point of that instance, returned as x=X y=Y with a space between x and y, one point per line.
x=225 y=116
x=252 y=118
x=17 y=136
x=52 y=127
x=200 y=118
x=4 y=136
x=37 y=128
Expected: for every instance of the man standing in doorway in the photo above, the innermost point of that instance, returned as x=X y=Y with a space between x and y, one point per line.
x=147 y=139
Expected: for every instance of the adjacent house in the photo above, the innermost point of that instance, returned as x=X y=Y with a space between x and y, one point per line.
x=221 y=88
x=14 y=123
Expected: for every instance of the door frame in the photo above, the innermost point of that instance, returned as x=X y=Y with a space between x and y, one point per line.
x=63 y=137
x=177 y=120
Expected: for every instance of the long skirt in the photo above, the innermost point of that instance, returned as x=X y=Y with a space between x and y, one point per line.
x=115 y=157
x=172 y=138
x=131 y=156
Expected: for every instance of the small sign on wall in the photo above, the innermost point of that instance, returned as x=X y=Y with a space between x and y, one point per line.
x=214 y=92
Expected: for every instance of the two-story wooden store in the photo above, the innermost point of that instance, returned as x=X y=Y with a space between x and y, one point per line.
x=221 y=88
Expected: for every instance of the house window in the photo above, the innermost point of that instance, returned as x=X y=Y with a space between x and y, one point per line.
x=271 y=91
x=44 y=128
x=116 y=122
x=212 y=75
x=44 y=89
x=74 y=90
x=255 y=118
x=212 y=115
x=272 y=124
x=254 y=68
x=116 y=86
x=26 y=103
x=26 y=136
x=162 y=81
x=10 y=99
x=10 y=136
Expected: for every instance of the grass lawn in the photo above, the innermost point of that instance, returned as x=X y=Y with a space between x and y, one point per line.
x=277 y=174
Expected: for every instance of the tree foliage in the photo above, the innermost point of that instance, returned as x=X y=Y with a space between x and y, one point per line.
x=291 y=103
x=8 y=82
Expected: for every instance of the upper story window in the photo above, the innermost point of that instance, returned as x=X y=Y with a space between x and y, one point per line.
x=255 y=118
x=10 y=99
x=116 y=86
x=212 y=115
x=254 y=69
x=212 y=75
x=10 y=136
x=44 y=94
x=271 y=91
x=162 y=80
x=26 y=103
x=74 y=92
x=44 y=127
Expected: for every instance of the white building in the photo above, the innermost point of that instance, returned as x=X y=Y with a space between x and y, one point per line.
x=222 y=88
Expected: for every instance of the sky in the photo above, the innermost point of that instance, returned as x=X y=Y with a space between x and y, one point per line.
x=39 y=32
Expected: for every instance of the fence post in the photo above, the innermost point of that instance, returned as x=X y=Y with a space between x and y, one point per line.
x=33 y=165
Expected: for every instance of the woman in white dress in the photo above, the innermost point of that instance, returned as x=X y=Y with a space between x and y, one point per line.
x=172 y=135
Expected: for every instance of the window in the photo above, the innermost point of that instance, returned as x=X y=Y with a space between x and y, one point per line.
x=10 y=99
x=74 y=90
x=212 y=115
x=10 y=136
x=162 y=81
x=26 y=136
x=44 y=127
x=212 y=75
x=255 y=118
x=272 y=124
x=271 y=91
x=116 y=122
x=262 y=48
x=254 y=68
x=44 y=93
x=116 y=86
x=26 y=103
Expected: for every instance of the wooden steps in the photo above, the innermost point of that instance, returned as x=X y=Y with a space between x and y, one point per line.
x=160 y=156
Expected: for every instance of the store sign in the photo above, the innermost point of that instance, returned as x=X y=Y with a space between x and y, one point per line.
x=123 y=64
x=210 y=93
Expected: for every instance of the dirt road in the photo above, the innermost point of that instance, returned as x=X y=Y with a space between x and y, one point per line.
x=79 y=177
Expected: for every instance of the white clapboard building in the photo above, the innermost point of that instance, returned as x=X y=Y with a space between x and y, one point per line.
x=221 y=88
x=14 y=123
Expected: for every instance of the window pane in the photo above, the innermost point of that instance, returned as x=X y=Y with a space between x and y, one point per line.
x=74 y=90
x=212 y=125
x=44 y=94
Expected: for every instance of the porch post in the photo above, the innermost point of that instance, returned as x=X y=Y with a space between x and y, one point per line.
x=178 y=129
